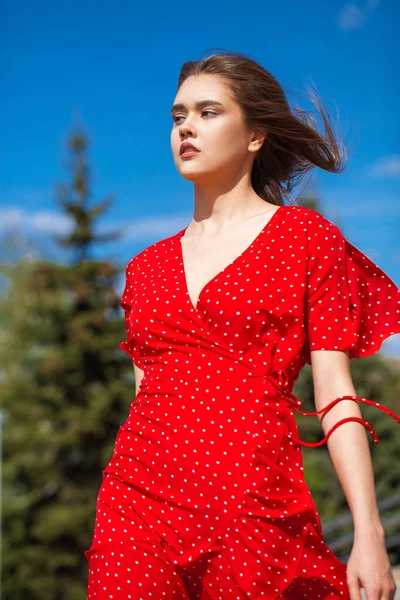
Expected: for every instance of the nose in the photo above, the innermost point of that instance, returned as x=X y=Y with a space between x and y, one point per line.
x=186 y=133
x=186 y=128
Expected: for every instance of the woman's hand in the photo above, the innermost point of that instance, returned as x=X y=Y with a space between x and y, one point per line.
x=369 y=567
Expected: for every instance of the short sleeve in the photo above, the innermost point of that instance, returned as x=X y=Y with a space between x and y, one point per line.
x=351 y=304
x=129 y=345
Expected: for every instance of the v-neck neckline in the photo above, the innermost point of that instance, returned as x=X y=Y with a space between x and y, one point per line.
x=230 y=265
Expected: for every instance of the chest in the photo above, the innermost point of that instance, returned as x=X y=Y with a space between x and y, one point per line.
x=204 y=260
x=255 y=298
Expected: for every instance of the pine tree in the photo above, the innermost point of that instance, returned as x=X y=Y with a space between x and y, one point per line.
x=65 y=388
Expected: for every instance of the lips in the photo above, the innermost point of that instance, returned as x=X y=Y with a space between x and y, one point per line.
x=186 y=147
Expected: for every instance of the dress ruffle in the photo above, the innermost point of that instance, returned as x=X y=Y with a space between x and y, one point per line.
x=374 y=303
x=352 y=304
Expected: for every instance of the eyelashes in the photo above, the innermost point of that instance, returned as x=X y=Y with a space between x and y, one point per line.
x=203 y=112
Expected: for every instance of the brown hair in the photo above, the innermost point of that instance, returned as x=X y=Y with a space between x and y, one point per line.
x=293 y=146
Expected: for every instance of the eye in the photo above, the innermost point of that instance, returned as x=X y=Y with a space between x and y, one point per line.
x=211 y=112
x=204 y=111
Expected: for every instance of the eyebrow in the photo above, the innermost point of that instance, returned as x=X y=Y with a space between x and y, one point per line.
x=200 y=104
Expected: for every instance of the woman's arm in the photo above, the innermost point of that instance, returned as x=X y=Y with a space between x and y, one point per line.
x=349 y=450
x=348 y=444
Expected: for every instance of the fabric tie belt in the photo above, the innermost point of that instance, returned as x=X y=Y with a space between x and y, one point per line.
x=281 y=381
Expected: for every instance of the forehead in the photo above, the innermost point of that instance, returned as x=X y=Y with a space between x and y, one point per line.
x=202 y=87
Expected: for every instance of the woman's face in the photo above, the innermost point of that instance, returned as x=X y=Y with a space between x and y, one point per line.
x=217 y=130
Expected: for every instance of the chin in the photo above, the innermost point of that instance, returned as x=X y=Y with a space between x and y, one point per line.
x=194 y=177
x=200 y=175
x=203 y=177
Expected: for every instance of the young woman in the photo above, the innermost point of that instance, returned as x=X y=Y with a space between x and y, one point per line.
x=204 y=496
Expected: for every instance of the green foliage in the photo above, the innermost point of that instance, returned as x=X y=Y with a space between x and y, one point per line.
x=65 y=389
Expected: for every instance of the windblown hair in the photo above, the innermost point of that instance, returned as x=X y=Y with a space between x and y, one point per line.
x=293 y=144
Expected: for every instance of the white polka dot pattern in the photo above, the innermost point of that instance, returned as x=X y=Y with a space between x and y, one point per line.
x=207 y=467
x=352 y=304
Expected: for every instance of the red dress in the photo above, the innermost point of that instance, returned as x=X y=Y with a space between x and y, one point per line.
x=207 y=467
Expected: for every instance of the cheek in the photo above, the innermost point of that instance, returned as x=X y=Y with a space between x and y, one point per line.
x=229 y=149
x=229 y=138
x=175 y=140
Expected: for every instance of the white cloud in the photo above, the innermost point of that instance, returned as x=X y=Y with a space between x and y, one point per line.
x=352 y=16
x=11 y=217
x=388 y=166
x=51 y=222
x=42 y=221
x=15 y=214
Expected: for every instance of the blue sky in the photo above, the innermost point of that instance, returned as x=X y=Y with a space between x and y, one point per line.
x=114 y=68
